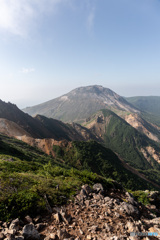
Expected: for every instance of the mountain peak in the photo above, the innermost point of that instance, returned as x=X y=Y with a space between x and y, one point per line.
x=97 y=89
x=80 y=103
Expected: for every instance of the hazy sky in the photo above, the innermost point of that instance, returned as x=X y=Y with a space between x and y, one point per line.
x=49 y=47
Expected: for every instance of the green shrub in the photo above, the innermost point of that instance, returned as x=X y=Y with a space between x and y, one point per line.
x=141 y=196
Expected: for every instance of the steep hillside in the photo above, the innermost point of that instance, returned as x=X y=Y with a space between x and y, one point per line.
x=12 y=129
x=80 y=104
x=152 y=118
x=149 y=107
x=15 y=123
x=143 y=122
x=98 y=159
x=138 y=122
x=60 y=130
x=32 y=182
x=134 y=148
x=29 y=180
x=12 y=113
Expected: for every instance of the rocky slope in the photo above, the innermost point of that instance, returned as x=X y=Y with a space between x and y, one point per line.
x=15 y=123
x=59 y=130
x=96 y=214
x=149 y=107
x=12 y=113
x=62 y=134
x=151 y=131
x=79 y=133
x=80 y=104
x=111 y=128
x=12 y=129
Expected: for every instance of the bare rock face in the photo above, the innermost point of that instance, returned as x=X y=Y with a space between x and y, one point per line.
x=129 y=209
x=30 y=233
x=131 y=199
x=40 y=226
x=87 y=189
x=98 y=187
x=28 y=219
x=63 y=234
x=58 y=217
x=2 y=236
x=14 y=224
x=12 y=129
x=142 y=126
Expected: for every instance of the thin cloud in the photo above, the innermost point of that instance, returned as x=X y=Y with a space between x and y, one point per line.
x=90 y=18
x=17 y=16
x=91 y=6
x=27 y=70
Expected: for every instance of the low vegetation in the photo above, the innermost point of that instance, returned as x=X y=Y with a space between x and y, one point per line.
x=141 y=196
x=98 y=159
x=29 y=180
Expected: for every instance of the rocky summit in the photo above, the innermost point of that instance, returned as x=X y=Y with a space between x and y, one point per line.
x=94 y=213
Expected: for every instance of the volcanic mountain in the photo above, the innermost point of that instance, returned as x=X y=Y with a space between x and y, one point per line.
x=80 y=103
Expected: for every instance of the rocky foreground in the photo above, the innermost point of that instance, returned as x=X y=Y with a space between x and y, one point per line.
x=95 y=214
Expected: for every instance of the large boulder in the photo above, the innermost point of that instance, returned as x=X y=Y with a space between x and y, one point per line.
x=87 y=189
x=30 y=233
x=62 y=234
x=14 y=224
x=129 y=209
x=98 y=187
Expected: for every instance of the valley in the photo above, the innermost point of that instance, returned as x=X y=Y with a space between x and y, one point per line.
x=90 y=135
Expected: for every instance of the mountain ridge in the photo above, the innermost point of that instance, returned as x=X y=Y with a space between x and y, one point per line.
x=16 y=123
x=80 y=103
x=149 y=104
x=133 y=147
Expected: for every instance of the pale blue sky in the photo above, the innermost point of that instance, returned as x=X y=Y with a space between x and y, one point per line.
x=49 y=47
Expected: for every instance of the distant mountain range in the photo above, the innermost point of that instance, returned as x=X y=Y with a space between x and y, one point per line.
x=149 y=104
